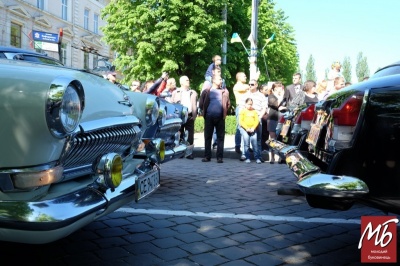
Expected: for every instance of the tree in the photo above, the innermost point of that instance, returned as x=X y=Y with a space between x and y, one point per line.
x=362 y=69
x=346 y=69
x=310 y=70
x=181 y=36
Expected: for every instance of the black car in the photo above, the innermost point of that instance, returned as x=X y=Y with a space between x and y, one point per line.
x=13 y=53
x=352 y=148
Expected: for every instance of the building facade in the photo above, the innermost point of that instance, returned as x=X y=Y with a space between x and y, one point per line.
x=79 y=20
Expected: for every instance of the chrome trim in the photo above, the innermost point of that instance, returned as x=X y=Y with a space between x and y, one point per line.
x=52 y=219
x=176 y=152
x=310 y=179
x=333 y=186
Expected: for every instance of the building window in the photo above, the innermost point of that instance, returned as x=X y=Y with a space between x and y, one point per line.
x=40 y=4
x=64 y=53
x=64 y=9
x=15 y=38
x=86 y=60
x=96 y=23
x=86 y=19
x=95 y=61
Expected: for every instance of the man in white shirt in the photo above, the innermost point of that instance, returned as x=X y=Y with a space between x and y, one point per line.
x=260 y=104
x=188 y=98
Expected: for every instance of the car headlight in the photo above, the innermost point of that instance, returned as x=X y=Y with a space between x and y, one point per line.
x=184 y=115
x=151 y=111
x=65 y=104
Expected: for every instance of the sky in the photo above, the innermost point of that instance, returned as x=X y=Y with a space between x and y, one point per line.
x=331 y=30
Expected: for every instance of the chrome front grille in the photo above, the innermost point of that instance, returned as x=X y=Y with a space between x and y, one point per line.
x=85 y=148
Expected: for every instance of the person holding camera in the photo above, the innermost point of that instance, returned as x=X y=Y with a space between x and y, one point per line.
x=159 y=85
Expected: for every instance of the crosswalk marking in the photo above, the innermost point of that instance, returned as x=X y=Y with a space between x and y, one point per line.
x=242 y=216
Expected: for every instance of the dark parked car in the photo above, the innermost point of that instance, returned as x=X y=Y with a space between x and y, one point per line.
x=13 y=53
x=352 y=152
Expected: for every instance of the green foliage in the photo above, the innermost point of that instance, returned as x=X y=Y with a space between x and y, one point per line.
x=181 y=36
x=310 y=69
x=230 y=125
x=346 y=70
x=362 y=69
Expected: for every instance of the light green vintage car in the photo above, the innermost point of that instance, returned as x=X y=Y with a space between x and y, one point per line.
x=69 y=141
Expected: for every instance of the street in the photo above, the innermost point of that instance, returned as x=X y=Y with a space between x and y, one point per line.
x=210 y=214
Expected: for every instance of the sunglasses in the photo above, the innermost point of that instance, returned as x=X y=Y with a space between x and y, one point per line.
x=252 y=84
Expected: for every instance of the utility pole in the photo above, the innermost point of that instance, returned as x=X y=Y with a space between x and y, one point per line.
x=253 y=40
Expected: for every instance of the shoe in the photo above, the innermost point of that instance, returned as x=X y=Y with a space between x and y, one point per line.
x=272 y=162
x=247 y=161
x=242 y=158
x=262 y=160
x=190 y=157
x=214 y=146
x=205 y=160
x=219 y=160
x=237 y=149
x=258 y=161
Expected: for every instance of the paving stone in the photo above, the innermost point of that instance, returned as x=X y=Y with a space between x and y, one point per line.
x=190 y=237
x=167 y=242
x=108 y=232
x=169 y=254
x=197 y=247
x=208 y=259
x=233 y=253
x=138 y=237
x=244 y=237
x=185 y=228
x=264 y=259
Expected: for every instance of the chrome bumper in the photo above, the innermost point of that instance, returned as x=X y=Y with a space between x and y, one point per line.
x=310 y=179
x=38 y=222
x=178 y=152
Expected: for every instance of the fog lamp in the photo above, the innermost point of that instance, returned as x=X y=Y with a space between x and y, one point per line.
x=109 y=170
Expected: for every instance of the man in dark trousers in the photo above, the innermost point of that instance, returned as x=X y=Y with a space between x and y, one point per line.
x=214 y=103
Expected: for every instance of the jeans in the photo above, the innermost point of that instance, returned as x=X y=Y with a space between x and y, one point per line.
x=209 y=124
x=247 y=139
x=238 y=135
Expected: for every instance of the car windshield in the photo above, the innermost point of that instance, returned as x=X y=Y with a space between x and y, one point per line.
x=33 y=58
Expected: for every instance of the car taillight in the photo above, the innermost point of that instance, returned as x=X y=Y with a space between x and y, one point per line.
x=345 y=119
x=347 y=114
x=306 y=116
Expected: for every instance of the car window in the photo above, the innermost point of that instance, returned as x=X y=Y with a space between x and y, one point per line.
x=392 y=70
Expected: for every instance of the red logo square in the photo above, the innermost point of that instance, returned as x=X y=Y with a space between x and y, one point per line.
x=378 y=242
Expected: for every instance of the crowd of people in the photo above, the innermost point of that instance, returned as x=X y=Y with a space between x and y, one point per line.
x=258 y=108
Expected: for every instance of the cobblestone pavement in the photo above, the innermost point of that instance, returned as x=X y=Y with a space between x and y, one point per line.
x=210 y=214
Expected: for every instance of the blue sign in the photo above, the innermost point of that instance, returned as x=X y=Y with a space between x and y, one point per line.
x=45 y=36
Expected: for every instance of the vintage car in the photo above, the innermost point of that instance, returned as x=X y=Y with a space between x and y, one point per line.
x=352 y=147
x=69 y=141
x=165 y=131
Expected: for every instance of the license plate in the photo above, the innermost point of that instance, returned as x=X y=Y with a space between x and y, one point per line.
x=147 y=184
x=313 y=135
x=285 y=128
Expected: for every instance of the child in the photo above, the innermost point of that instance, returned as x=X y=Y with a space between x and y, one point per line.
x=216 y=63
x=249 y=122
